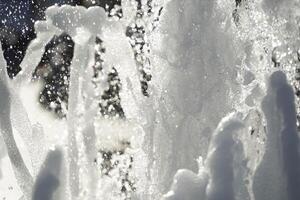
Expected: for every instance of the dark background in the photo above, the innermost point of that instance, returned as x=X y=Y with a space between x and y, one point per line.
x=17 y=19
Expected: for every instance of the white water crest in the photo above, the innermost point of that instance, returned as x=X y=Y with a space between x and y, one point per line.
x=218 y=122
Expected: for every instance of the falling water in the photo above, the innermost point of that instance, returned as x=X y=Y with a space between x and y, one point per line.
x=159 y=99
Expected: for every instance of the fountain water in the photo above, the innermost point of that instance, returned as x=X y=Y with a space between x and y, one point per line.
x=196 y=92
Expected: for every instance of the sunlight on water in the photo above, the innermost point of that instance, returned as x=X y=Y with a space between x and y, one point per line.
x=158 y=99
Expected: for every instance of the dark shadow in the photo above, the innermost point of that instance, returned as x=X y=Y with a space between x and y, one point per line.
x=289 y=135
x=48 y=179
x=278 y=175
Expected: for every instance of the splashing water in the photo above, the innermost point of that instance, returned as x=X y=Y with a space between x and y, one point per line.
x=174 y=100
